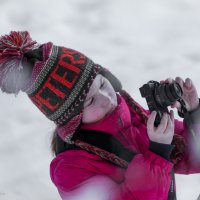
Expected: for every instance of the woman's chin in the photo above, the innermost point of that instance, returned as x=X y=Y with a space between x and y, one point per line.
x=112 y=108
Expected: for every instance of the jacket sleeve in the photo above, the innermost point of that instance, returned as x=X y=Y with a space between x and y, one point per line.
x=189 y=129
x=147 y=177
x=96 y=188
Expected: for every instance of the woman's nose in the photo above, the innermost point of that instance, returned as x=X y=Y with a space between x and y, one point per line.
x=104 y=94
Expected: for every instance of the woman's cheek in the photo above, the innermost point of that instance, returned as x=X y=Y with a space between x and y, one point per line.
x=92 y=114
x=96 y=113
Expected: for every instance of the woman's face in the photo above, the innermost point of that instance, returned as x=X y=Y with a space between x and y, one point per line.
x=100 y=101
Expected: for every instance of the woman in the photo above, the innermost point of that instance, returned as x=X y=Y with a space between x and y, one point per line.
x=106 y=145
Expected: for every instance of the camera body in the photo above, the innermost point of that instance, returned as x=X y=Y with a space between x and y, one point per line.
x=159 y=96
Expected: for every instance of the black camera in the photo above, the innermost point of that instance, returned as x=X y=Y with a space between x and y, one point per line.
x=159 y=96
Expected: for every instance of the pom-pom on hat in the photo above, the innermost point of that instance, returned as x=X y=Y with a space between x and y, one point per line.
x=56 y=79
x=12 y=50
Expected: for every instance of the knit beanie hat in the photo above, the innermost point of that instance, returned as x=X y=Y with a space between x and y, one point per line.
x=55 y=78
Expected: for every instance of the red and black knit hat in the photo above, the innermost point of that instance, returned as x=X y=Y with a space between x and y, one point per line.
x=56 y=79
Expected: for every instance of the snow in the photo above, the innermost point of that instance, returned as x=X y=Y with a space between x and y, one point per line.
x=137 y=40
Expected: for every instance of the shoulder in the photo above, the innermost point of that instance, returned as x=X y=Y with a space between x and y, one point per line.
x=71 y=167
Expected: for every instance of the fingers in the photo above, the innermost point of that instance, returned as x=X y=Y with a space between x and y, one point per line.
x=163 y=123
x=170 y=123
x=172 y=115
x=185 y=85
x=180 y=81
x=168 y=80
x=188 y=83
x=150 y=121
x=167 y=120
x=176 y=105
x=164 y=132
x=189 y=96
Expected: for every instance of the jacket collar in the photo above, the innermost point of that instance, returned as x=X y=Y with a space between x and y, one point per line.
x=119 y=119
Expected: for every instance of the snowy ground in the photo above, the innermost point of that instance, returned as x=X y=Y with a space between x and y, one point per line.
x=136 y=40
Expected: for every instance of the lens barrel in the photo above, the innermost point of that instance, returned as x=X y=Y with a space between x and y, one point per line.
x=167 y=93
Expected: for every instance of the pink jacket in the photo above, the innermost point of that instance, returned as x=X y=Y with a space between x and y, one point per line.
x=79 y=175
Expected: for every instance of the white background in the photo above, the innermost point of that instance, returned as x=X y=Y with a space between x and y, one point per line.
x=137 y=40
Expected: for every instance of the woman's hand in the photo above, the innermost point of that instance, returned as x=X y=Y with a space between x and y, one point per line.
x=164 y=132
x=190 y=95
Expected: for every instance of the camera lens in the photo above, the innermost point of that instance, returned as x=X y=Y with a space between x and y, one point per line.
x=173 y=91
x=166 y=94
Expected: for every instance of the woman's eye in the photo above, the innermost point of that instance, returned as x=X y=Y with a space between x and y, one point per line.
x=102 y=84
x=89 y=102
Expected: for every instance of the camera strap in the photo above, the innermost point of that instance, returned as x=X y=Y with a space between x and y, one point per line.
x=183 y=108
x=100 y=143
x=172 y=192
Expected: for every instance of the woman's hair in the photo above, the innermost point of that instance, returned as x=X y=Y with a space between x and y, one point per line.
x=53 y=143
